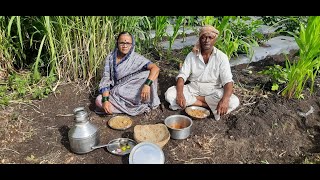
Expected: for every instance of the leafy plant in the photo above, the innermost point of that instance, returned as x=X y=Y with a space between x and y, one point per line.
x=186 y=50
x=40 y=92
x=210 y=20
x=285 y=24
x=3 y=90
x=178 y=23
x=21 y=86
x=19 y=83
x=4 y=100
x=245 y=30
x=228 y=43
x=160 y=27
x=237 y=34
x=278 y=74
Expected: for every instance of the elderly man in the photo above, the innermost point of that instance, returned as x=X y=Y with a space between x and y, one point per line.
x=208 y=70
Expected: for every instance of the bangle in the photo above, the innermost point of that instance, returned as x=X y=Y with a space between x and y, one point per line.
x=104 y=99
x=148 y=82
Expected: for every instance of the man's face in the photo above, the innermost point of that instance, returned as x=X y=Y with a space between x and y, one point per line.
x=207 y=41
x=124 y=43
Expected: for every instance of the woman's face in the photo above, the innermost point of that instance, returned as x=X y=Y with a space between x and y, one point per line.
x=124 y=43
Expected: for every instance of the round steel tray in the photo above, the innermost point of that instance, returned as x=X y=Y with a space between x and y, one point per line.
x=205 y=111
x=116 y=146
x=118 y=118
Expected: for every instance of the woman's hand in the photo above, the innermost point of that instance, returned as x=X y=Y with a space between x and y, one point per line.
x=107 y=107
x=145 y=93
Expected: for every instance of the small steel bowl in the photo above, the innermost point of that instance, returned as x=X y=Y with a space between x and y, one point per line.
x=179 y=126
x=205 y=112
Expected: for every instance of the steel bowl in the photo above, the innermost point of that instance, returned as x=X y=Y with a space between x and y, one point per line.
x=179 y=126
x=204 y=112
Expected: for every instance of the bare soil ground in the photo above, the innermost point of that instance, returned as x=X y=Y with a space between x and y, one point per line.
x=265 y=128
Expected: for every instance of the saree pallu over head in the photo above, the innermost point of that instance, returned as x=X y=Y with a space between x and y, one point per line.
x=125 y=81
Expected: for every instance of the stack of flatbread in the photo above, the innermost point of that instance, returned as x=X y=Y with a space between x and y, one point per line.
x=154 y=133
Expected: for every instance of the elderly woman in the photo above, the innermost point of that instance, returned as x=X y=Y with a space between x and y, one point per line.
x=129 y=82
x=208 y=70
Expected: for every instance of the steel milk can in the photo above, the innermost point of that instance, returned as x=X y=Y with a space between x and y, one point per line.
x=83 y=135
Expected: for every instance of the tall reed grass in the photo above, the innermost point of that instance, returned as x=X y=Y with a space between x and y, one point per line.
x=11 y=49
x=69 y=47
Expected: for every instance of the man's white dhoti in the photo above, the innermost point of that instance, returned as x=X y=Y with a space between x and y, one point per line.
x=212 y=95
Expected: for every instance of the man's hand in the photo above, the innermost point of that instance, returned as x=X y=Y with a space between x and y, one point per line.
x=222 y=107
x=107 y=107
x=181 y=100
x=145 y=93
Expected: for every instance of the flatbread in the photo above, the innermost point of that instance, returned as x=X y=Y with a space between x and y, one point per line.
x=154 y=133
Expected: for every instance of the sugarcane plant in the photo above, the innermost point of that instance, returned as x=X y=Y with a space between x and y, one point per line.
x=307 y=66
